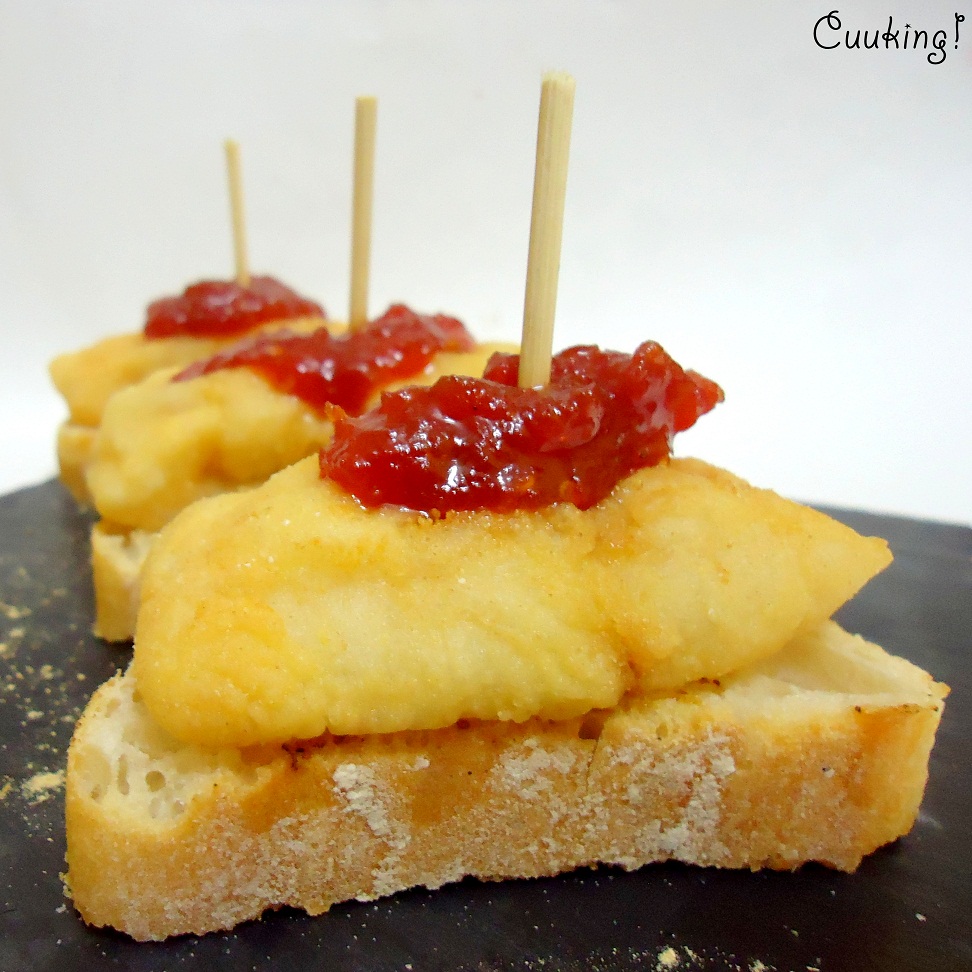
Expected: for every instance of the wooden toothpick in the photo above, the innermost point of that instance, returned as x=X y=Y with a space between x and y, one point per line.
x=236 y=210
x=546 y=227
x=365 y=119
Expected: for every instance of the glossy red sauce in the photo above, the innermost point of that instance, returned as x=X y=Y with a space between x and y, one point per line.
x=343 y=370
x=222 y=308
x=484 y=444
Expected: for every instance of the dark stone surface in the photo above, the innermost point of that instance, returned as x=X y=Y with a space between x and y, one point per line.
x=907 y=908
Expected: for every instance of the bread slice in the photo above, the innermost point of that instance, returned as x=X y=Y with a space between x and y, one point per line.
x=117 y=557
x=817 y=754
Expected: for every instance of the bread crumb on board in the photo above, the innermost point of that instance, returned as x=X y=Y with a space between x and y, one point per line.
x=12 y=612
x=42 y=786
x=667 y=959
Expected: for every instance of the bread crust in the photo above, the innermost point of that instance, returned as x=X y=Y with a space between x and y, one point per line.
x=774 y=767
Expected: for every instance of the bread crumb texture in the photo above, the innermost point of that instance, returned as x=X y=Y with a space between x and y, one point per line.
x=667 y=958
x=778 y=765
x=42 y=786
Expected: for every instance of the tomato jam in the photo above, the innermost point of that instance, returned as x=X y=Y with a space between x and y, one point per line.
x=345 y=370
x=485 y=444
x=222 y=308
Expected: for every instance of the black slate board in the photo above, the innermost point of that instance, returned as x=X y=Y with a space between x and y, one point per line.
x=909 y=907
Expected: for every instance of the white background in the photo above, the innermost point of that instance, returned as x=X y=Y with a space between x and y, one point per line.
x=791 y=221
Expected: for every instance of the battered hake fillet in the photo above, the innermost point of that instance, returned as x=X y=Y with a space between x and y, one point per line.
x=88 y=378
x=164 y=444
x=302 y=613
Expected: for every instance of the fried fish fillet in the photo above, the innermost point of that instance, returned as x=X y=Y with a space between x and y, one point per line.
x=298 y=612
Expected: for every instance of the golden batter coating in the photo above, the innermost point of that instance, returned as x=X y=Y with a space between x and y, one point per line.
x=164 y=444
x=288 y=610
x=88 y=378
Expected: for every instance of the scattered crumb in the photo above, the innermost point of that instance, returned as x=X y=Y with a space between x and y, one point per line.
x=667 y=959
x=920 y=916
x=757 y=966
x=42 y=786
x=5 y=789
x=13 y=613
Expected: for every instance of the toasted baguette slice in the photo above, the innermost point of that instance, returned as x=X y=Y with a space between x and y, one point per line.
x=819 y=754
x=117 y=557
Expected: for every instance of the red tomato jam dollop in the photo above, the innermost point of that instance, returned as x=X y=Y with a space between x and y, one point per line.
x=222 y=308
x=344 y=370
x=485 y=444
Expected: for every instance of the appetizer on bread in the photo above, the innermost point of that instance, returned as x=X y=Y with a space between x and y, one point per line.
x=228 y=421
x=491 y=629
x=351 y=695
x=204 y=319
